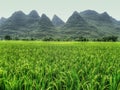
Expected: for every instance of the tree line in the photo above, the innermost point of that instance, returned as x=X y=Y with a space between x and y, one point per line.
x=104 y=39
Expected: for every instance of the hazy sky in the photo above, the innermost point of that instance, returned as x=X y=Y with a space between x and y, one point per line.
x=62 y=8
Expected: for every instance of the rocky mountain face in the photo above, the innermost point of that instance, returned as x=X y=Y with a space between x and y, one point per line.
x=104 y=22
x=94 y=16
x=33 y=17
x=57 y=22
x=17 y=20
x=34 y=14
x=75 y=20
x=89 y=23
x=77 y=26
x=2 y=20
x=45 y=22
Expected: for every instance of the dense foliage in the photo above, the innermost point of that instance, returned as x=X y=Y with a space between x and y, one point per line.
x=59 y=65
x=103 y=39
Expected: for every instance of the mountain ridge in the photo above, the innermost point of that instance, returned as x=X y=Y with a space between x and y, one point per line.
x=88 y=23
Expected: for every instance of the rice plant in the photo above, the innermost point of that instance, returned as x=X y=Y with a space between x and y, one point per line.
x=26 y=65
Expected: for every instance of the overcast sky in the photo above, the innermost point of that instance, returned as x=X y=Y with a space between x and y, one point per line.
x=62 y=8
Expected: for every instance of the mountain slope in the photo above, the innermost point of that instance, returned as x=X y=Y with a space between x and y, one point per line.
x=33 y=17
x=89 y=23
x=45 y=22
x=34 y=14
x=15 y=25
x=94 y=16
x=75 y=20
x=17 y=20
x=76 y=26
x=43 y=29
x=105 y=23
x=21 y=25
x=57 y=21
x=2 y=20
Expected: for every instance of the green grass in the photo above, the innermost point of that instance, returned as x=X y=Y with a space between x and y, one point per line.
x=59 y=65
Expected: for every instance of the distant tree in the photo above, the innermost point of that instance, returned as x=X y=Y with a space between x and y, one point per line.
x=7 y=37
x=110 y=38
x=81 y=39
x=16 y=38
x=114 y=38
x=48 y=39
x=98 y=39
x=25 y=39
x=107 y=39
x=32 y=39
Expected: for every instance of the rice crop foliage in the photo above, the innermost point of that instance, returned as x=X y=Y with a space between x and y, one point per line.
x=34 y=65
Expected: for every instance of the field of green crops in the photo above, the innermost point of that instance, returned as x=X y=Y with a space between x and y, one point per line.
x=36 y=65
